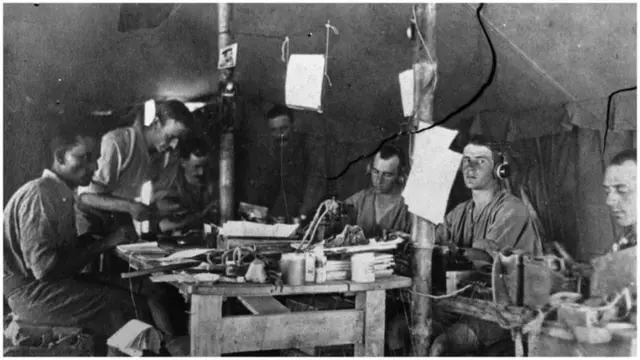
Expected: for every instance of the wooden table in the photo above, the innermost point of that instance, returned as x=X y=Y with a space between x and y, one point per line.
x=212 y=334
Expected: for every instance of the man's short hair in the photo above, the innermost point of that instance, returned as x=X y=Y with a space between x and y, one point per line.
x=195 y=145
x=65 y=136
x=174 y=109
x=387 y=151
x=497 y=148
x=624 y=155
x=280 y=110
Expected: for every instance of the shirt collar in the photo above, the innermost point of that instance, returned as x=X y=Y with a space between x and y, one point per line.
x=48 y=174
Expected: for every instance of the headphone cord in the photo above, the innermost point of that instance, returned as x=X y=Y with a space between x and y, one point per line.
x=284 y=193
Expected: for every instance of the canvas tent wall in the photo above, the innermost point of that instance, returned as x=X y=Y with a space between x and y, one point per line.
x=64 y=60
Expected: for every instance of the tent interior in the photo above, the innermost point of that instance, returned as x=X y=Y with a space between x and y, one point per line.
x=556 y=67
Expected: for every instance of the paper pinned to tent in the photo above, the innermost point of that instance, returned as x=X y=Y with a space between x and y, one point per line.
x=246 y=228
x=303 y=85
x=433 y=172
x=406 y=91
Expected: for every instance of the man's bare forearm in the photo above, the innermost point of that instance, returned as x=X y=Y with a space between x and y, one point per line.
x=106 y=202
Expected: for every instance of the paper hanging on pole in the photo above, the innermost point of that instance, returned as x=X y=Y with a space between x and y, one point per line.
x=305 y=78
x=433 y=172
x=227 y=56
x=406 y=91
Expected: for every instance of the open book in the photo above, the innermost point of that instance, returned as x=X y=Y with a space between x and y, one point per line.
x=134 y=337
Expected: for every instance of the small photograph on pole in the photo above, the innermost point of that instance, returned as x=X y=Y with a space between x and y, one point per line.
x=227 y=56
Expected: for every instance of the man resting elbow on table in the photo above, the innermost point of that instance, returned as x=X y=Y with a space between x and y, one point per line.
x=188 y=198
x=493 y=221
x=44 y=255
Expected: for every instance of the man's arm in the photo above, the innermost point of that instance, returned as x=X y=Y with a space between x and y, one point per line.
x=316 y=178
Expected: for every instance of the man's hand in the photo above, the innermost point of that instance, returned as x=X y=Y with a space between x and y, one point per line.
x=140 y=211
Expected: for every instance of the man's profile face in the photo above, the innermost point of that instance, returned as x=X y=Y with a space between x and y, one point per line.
x=620 y=187
x=384 y=173
x=281 y=127
x=169 y=135
x=477 y=167
x=80 y=162
x=195 y=169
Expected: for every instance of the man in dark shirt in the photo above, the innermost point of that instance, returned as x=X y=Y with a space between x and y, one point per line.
x=291 y=179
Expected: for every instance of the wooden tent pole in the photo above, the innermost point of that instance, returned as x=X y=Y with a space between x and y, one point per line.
x=228 y=114
x=423 y=231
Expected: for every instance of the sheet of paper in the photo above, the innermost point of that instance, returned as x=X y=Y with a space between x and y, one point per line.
x=432 y=174
x=186 y=254
x=145 y=247
x=134 y=337
x=303 y=85
x=406 y=91
x=246 y=228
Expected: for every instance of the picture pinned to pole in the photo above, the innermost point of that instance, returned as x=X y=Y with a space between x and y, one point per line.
x=228 y=56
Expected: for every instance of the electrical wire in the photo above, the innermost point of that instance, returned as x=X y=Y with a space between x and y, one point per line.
x=133 y=301
x=609 y=100
x=475 y=98
x=284 y=193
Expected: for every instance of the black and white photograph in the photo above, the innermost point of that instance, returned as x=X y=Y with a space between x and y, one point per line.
x=364 y=180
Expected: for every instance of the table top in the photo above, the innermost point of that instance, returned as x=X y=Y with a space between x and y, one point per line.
x=145 y=260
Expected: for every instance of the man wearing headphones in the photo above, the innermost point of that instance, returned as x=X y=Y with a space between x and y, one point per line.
x=492 y=221
x=381 y=206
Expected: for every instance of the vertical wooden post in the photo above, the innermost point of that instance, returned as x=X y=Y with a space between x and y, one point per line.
x=423 y=231
x=226 y=138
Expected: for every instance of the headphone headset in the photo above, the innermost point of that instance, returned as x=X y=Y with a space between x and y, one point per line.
x=502 y=170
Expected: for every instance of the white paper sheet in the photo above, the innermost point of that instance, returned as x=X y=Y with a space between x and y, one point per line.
x=134 y=337
x=406 y=91
x=433 y=172
x=246 y=228
x=186 y=254
x=303 y=86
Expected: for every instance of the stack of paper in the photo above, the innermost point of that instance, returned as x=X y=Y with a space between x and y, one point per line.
x=135 y=337
x=432 y=174
x=246 y=228
x=303 y=85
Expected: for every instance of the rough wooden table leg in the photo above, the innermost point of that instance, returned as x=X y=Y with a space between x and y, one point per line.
x=206 y=325
x=372 y=303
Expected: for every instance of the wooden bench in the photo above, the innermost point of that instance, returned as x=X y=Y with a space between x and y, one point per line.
x=268 y=305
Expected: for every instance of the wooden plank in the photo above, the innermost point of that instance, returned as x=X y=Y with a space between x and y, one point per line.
x=425 y=65
x=263 y=305
x=487 y=310
x=341 y=286
x=372 y=304
x=292 y=330
x=206 y=325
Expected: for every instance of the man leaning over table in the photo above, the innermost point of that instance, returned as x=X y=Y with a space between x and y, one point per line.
x=43 y=253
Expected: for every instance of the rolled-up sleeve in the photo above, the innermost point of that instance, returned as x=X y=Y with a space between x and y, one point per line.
x=105 y=178
x=38 y=235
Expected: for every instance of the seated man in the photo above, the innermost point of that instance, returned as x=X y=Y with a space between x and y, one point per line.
x=291 y=179
x=189 y=198
x=620 y=186
x=43 y=254
x=490 y=222
x=381 y=206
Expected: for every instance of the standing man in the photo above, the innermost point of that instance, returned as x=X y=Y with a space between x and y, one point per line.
x=43 y=254
x=620 y=187
x=381 y=206
x=291 y=181
x=124 y=165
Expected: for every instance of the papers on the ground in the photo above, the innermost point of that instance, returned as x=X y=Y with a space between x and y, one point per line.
x=406 y=91
x=134 y=337
x=303 y=85
x=432 y=174
x=246 y=228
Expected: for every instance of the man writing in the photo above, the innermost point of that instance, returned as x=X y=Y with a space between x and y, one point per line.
x=190 y=196
x=43 y=254
x=291 y=181
x=381 y=206
x=124 y=165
